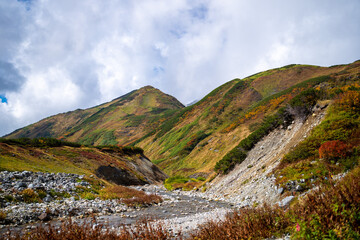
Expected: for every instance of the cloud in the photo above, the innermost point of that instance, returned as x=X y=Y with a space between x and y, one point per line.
x=57 y=56
x=10 y=78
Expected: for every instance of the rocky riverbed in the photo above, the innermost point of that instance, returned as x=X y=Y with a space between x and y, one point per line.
x=177 y=212
x=27 y=197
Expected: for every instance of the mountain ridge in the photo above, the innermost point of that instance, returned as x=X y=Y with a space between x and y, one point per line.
x=187 y=140
x=130 y=109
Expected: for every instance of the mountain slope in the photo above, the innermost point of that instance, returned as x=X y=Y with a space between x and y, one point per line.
x=200 y=135
x=120 y=165
x=121 y=121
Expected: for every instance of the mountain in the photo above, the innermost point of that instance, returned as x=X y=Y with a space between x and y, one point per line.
x=193 y=140
x=121 y=121
x=199 y=136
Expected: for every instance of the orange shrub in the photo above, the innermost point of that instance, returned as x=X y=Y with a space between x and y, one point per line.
x=332 y=150
x=350 y=101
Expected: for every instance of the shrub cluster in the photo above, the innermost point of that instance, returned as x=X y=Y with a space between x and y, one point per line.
x=184 y=183
x=228 y=162
x=194 y=140
x=39 y=142
x=127 y=150
x=129 y=196
x=282 y=117
x=333 y=150
x=301 y=105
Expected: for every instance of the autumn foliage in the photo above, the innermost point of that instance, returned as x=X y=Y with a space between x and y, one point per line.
x=349 y=101
x=333 y=150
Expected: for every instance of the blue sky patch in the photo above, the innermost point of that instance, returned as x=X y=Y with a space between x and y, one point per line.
x=27 y=3
x=3 y=99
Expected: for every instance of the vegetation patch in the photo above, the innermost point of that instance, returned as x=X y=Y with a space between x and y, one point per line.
x=129 y=196
x=194 y=140
x=123 y=150
x=183 y=183
x=39 y=142
x=228 y=162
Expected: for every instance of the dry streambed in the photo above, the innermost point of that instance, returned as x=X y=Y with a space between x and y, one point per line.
x=178 y=212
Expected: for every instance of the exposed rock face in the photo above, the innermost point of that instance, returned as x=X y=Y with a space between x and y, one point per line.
x=144 y=172
x=118 y=176
x=250 y=182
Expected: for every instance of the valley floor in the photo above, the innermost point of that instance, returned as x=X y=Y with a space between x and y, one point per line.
x=177 y=213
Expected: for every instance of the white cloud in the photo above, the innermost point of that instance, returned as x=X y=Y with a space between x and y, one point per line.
x=67 y=54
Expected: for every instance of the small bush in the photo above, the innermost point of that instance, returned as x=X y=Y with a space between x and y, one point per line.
x=171 y=182
x=144 y=200
x=88 y=196
x=9 y=198
x=246 y=223
x=2 y=215
x=30 y=196
x=201 y=178
x=41 y=193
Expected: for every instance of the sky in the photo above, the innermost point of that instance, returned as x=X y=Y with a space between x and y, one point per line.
x=58 y=56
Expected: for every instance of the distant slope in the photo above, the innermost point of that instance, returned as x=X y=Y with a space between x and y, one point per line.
x=198 y=136
x=121 y=165
x=121 y=121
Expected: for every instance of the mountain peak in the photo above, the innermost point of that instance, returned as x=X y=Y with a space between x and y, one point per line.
x=147 y=87
x=120 y=121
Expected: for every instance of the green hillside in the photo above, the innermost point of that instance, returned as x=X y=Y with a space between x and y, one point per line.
x=52 y=155
x=120 y=121
x=188 y=140
x=197 y=137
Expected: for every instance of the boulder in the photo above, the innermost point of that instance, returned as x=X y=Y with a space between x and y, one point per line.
x=286 y=201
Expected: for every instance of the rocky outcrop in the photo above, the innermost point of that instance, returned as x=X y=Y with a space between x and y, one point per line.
x=142 y=172
x=118 y=176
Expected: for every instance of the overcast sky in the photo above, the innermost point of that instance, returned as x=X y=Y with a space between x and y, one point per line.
x=60 y=55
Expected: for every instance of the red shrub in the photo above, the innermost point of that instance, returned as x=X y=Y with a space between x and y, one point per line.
x=333 y=150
